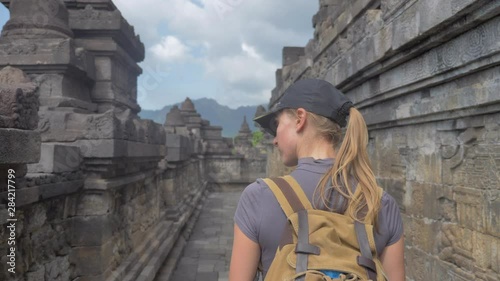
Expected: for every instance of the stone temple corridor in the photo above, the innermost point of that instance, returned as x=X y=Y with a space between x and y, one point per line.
x=207 y=253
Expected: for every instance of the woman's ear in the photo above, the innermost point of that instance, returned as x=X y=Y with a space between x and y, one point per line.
x=301 y=119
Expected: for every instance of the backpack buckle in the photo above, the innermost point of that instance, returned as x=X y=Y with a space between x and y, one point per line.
x=309 y=249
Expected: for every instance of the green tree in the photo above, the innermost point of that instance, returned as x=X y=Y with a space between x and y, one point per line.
x=257 y=138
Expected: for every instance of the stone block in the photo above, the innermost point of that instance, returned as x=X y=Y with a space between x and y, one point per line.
x=421 y=233
x=91 y=230
x=178 y=147
x=19 y=146
x=96 y=203
x=96 y=4
x=64 y=87
x=212 y=133
x=406 y=27
x=331 y=2
x=104 y=67
x=456 y=245
x=38 y=274
x=416 y=263
x=175 y=154
x=492 y=218
x=58 y=269
x=92 y=260
x=119 y=148
x=434 y=13
x=108 y=93
x=470 y=208
x=432 y=201
x=483 y=250
x=292 y=54
x=27 y=196
x=471 y=46
x=90 y=20
x=57 y=158
x=388 y=6
x=426 y=166
x=40 y=55
x=442 y=270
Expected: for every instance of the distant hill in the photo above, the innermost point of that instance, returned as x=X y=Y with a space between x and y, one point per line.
x=218 y=115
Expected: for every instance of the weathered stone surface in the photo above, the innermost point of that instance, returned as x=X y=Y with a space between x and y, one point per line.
x=89 y=20
x=96 y=230
x=55 y=158
x=18 y=100
x=292 y=55
x=211 y=132
x=69 y=126
x=19 y=146
x=174 y=117
x=49 y=19
x=35 y=54
x=179 y=148
x=119 y=148
x=224 y=169
x=11 y=77
x=424 y=74
x=91 y=261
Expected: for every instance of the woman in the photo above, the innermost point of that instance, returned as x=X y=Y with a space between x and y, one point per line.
x=307 y=123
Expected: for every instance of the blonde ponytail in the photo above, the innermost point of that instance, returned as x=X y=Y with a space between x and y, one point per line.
x=352 y=161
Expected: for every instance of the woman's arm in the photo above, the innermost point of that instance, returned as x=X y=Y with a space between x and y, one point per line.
x=244 y=258
x=392 y=259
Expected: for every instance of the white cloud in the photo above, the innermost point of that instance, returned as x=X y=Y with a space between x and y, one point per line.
x=170 y=49
x=245 y=77
x=249 y=51
x=239 y=42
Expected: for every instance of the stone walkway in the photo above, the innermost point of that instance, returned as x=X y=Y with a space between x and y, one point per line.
x=207 y=254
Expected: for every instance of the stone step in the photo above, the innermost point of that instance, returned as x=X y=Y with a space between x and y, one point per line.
x=133 y=265
x=144 y=263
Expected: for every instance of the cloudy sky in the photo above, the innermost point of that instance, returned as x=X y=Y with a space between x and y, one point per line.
x=222 y=49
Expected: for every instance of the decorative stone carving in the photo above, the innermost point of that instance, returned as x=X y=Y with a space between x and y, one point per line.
x=37 y=19
x=18 y=100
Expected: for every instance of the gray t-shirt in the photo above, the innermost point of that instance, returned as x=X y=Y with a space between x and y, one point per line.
x=260 y=217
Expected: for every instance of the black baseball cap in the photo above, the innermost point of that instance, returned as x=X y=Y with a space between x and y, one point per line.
x=315 y=96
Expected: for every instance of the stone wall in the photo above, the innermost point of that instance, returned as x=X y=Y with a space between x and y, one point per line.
x=227 y=164
x=425 y=76
x=101 y=193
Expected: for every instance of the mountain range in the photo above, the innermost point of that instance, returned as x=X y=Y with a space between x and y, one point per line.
x=219 y=115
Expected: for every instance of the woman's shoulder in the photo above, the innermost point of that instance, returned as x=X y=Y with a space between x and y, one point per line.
x=388 y=204
x=256 y=189
x=389 y=219
x=387 y=198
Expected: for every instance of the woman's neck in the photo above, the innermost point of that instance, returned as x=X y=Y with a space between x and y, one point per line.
x=318 y=149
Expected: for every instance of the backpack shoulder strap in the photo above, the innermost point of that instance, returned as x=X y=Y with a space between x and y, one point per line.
x=292 y=199
x=298 y=191
x=289 y=194
x=366 y=258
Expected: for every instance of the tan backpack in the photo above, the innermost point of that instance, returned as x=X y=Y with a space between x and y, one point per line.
x=316 y=241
